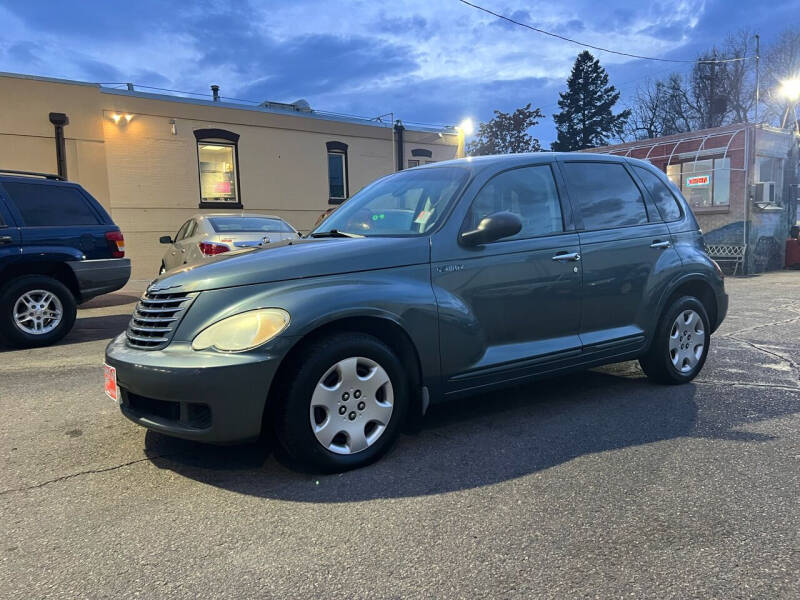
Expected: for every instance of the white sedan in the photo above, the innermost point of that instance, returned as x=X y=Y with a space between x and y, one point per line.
x=209 y=234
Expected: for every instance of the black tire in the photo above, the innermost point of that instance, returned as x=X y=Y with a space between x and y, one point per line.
x=14 y=290
x=292 y=424
x=657 y=363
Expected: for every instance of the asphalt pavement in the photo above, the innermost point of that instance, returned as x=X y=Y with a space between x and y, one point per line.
x=597 y=485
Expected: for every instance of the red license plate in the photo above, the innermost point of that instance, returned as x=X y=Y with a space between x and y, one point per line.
x=112 y=391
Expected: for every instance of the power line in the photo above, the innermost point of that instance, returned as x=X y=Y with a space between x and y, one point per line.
x=566 y=39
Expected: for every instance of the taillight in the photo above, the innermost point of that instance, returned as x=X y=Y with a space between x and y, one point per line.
x=116 y=243
x=212 y=249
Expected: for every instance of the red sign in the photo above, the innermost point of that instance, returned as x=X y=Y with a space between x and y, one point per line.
x=698 y=181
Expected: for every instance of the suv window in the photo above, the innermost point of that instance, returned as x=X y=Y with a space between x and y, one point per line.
x=665 y=201
x=529 y=192
x=606 y=194
x=50 y=205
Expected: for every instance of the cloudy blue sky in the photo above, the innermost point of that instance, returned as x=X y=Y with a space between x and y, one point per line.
x=433 y=62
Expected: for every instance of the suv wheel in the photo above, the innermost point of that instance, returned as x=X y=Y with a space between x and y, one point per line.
x=342 y=406
x=681 y=343
x=36 y=310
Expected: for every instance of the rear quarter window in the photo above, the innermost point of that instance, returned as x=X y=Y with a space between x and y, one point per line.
x=50 y=205
x=606 y=194
x=665 y=200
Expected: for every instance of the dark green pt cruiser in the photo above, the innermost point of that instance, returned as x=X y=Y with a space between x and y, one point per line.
x=429 y=284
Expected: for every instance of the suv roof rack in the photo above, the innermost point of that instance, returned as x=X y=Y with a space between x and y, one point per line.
x=33 y=174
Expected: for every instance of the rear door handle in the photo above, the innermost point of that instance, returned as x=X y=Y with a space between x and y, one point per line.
x=660 y=244
x=5 y=239
x=567 y=257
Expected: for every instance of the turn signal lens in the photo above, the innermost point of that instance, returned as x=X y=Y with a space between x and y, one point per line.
x=244 y=331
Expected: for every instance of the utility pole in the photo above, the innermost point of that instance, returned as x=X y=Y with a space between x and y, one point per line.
x=758 y=58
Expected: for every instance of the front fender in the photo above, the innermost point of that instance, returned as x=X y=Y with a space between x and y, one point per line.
x=401 y=295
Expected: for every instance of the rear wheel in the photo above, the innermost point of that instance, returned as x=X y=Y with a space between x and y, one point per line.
x=681 y=343
x=36 y=310
x=342 y=406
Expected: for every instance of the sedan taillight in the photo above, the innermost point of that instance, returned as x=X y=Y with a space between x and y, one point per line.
x=212 y=249
x=116 y=243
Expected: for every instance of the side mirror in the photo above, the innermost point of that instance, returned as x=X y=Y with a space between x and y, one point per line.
x=493 y=227
x=165 y=239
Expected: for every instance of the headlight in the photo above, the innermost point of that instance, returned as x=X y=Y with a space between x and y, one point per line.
x=244 y=331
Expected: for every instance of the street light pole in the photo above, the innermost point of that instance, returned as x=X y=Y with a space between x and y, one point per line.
x=758 y=58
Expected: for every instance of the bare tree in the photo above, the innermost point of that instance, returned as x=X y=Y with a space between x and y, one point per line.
x=781 y=61
x=740 y=84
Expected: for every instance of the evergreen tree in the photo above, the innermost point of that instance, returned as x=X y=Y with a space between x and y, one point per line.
x=586 y=120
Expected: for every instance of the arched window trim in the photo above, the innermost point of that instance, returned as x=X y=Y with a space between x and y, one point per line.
x=422 y=152
x=229 y=138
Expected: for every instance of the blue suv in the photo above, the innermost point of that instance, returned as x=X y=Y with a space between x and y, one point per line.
x=58 y=248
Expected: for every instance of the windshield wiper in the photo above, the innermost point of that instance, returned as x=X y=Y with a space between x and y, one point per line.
x=335 y=233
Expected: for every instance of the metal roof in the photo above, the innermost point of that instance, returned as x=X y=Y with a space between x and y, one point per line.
x=313 y=114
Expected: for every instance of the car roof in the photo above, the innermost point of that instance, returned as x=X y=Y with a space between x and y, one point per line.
x=496 y=161
x=201 y=216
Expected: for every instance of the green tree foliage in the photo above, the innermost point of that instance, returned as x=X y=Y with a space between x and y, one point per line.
x=586 y=119
x=507 y=133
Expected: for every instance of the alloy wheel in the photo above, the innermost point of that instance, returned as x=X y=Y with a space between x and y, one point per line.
x=38 y=312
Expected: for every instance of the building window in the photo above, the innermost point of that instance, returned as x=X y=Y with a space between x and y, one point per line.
x=217 y=157
x=413 y=162
x=705 y=183
x=771 y=169
x=337 y=172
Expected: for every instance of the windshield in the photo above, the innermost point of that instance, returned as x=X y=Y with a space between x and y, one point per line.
x=248 y=224
x=406 y=203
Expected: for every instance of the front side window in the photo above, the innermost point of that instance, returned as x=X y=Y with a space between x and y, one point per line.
x=403 y=204
x=704 y=183
x=50 y=205
x=606 y=194
x=218 y=179
x=666 y=203
x=529 y=192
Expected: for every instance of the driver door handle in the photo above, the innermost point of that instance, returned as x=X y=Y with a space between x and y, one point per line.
x=660 y=244
x=567 y=257
x=5 y=239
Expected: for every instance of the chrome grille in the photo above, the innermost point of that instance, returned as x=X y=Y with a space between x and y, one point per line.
x=156 y=317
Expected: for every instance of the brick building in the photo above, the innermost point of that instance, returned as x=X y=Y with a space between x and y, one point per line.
x=741 y=181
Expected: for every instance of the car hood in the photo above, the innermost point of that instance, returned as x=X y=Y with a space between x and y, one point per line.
x=296 y=259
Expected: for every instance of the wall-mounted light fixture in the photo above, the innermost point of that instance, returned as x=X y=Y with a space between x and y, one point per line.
x=173 y=127
x=117 y=117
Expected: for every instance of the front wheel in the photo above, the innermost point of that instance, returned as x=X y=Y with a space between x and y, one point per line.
x=36 y=310
x=342 y=404
x=680 y=347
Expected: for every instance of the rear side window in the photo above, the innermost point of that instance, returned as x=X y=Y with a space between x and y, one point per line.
x=50 y=205
x=665 y=201
x=529 y=192
x=606 y=194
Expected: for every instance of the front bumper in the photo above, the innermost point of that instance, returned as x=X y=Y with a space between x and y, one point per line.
x=205 y=396
x=722 y=309
x=96 y=277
